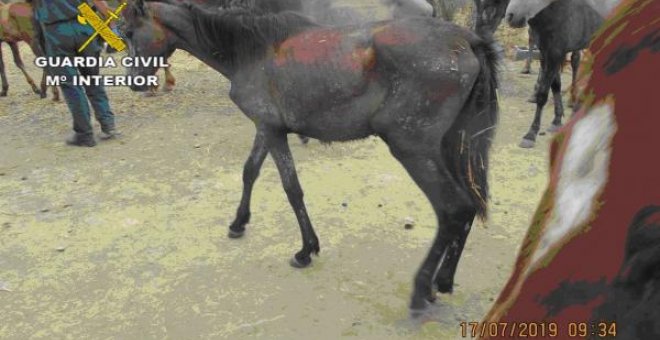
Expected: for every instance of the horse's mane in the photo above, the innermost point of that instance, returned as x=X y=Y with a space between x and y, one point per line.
x=244 y=34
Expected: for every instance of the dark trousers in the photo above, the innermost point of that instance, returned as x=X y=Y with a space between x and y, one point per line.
x=63 y=40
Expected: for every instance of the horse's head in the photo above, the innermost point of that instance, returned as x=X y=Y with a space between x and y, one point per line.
x=145 y=37
x=520 y=11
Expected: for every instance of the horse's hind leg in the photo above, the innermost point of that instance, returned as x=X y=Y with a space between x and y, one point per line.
x=450 y=205
x=559 y=106
x=170 y=81
x=444 y=279
x=56 y=93
x=44 y=88
x=3 y=75
x=575 y=64
x=250 y=173
x=279 y=150
x=19 y=63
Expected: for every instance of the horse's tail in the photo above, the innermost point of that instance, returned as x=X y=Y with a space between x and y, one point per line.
x=469 y=139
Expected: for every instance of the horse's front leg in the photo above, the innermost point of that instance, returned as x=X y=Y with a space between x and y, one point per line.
x=527 y=68
x=3 y=75
x=250 y=173
x=279 y=150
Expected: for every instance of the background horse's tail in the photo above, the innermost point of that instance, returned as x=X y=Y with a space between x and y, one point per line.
x=468 y=142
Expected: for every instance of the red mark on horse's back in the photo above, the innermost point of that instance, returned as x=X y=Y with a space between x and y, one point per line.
x=395 y=35
x=325 y=47
x=309 y=48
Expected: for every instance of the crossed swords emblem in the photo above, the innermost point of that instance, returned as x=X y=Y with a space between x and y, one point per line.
x=101 y=27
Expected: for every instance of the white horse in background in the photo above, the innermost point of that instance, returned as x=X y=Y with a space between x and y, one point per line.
x=405 y=8
x=520 y=11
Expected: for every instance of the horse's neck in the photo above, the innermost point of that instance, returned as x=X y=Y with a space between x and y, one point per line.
x=177 y=21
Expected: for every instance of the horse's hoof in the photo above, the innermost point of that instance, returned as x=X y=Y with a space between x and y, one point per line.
x=303 y=139
x=418 y=309
x=445 y=287
x=526 y=143
x=525 y=71
x=532 y=100
x=553 y=128
x=3 y=93
x=296 y=263
x=235 y=234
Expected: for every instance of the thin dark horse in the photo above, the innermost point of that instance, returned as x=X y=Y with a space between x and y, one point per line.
x=16 y=25
x=426 y=87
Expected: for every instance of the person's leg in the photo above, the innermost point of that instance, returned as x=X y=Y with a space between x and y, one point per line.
x=96 y=94
x=59 y=40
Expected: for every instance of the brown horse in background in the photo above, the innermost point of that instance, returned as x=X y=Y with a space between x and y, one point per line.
x=16 y=25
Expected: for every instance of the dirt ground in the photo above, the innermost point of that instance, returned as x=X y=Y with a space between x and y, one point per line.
x=127 y=240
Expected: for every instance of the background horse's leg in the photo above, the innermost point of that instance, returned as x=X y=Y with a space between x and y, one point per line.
x=250 y=173
x=575 y=64
x=42 y=85
x=559 y=106
x=279 y=150
x=56 y=93
x=19 y=63
x=3 y=75
x=551 y=66
x=532 y=98
x=169 y=80
x=527 y=68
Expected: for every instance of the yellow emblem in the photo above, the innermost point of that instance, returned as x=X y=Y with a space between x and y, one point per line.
x=89 y=17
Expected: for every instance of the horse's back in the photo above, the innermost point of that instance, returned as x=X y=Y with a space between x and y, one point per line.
x=351 y=71
x=425 y=47
x=345 y=59
x=16 y=22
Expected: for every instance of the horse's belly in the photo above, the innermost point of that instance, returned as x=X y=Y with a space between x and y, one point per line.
x=346 y=120
x=335 y=108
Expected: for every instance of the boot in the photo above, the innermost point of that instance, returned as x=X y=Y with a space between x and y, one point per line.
x=81 y=140
x=109 y=133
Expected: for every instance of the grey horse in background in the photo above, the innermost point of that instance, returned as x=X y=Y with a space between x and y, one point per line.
x=561 y=26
